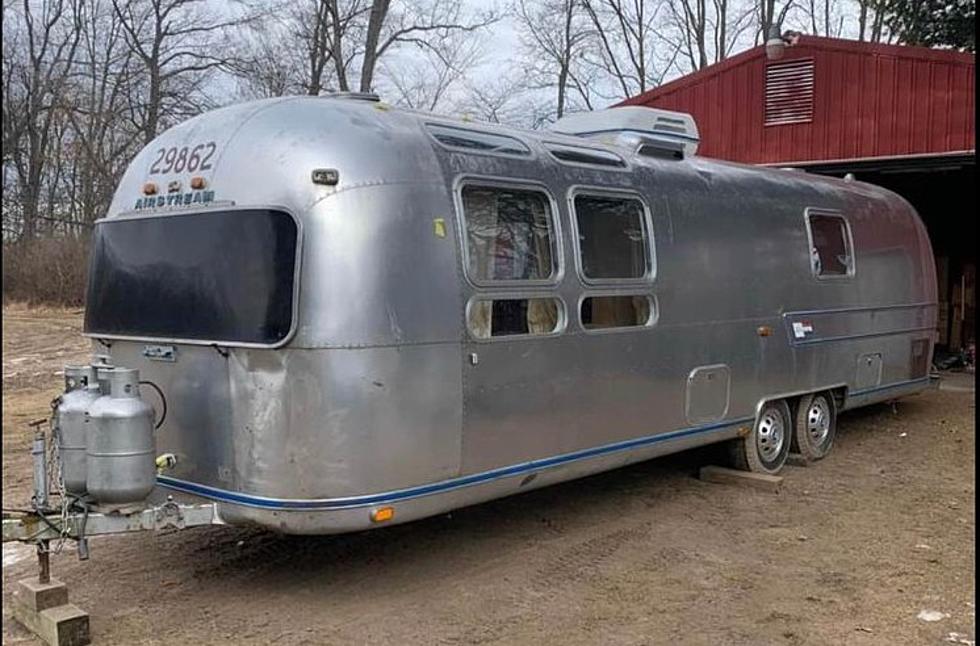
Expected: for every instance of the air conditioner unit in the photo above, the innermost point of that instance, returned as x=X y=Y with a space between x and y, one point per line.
x=646 y=131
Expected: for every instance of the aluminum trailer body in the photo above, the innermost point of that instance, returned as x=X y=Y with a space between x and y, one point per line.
x=345 y=373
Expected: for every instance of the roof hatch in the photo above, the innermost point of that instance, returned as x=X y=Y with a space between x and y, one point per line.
x=646 y=131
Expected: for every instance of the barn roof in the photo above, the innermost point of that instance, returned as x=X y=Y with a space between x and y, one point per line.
x=828 y=99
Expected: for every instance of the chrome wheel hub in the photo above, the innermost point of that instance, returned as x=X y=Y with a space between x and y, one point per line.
x=770 y=435
x=818 y=421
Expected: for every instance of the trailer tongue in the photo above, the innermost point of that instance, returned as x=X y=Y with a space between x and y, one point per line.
x=94 y=477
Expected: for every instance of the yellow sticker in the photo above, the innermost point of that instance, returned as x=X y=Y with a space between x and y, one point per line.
x=439 y=227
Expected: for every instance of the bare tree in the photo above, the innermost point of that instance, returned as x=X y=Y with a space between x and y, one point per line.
x=38 y=53
x=871 y=20
x=769 y=16
x=425 y=79
x=419 y=22
x=627 y=33
x=102 y=139
x=505 y=100
x=178 y=43
x=344 y=43
x=554 y=35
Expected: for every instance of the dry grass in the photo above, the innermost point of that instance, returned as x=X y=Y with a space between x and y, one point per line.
x=46 y=271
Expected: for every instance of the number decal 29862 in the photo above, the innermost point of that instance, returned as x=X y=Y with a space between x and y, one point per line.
x=187 y=158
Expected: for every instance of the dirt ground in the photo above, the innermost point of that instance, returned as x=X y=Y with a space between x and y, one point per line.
x=850 y=551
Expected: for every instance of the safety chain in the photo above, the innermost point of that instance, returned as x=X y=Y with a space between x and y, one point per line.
x=56 y=480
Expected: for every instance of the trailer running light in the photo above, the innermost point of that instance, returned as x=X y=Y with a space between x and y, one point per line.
x=197 y=183
x=382 y=514
x=149 y=188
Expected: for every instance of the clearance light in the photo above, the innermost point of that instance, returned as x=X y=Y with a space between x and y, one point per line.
x=198 y=183
x=149 y=188
x=382 y=514
x=325 y=176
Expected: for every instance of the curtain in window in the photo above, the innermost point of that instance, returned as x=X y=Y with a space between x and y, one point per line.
x=508 y=237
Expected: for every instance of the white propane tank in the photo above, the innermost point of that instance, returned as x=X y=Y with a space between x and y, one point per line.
x=120 y=445
x=81 y=391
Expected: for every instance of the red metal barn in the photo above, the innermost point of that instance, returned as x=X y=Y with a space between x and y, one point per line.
x=900 y=117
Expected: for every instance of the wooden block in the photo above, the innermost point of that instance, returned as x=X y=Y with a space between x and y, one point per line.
x=37 y=596
x=721 y=475
x=65 y=625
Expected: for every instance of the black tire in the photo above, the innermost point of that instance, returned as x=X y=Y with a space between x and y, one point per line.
x=815 y=426
x=766 y=447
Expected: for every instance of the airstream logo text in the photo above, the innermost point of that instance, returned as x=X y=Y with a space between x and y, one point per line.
x=175 y=199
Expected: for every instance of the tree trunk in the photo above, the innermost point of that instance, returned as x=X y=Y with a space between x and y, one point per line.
x=379 y=11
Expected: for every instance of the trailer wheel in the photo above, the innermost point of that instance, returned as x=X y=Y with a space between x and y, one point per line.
x=815 y=427
x=766 y=448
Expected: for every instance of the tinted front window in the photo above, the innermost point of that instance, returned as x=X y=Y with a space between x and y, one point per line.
x=221 y=276
x=612 y=237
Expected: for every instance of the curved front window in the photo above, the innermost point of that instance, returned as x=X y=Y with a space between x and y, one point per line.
x=221 y=276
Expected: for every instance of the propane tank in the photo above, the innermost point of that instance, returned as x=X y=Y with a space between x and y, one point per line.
x=102 y=363
x=120 y=444
x=81 y=391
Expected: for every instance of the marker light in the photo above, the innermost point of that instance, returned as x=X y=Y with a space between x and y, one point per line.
x=325 y=176
x=149 y=188
x=382 y=514
x=198 y=183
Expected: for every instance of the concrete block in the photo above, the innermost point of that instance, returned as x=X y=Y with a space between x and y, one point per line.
x=65 y=625
x=721 y=475
x=37 y=596
x=44 y=610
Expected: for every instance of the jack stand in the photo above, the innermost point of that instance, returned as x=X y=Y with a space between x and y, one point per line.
x=43 y=562
x=42 y=606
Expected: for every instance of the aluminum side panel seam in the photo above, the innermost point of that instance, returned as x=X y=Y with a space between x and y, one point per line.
x=443 y=486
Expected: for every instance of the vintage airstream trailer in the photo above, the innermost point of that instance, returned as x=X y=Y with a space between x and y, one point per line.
x=359 y=315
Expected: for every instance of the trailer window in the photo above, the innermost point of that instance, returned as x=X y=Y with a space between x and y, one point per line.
x=509 y=234
x=830 y=245
x=613 y=241
x=582 y=155
x=224 y=276
x=604 y=312
x=477 y=141
x=513 y=316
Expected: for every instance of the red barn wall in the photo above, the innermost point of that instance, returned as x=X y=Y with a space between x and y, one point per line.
x=869 y=101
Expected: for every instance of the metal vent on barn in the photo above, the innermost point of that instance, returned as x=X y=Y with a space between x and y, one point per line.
x=789 y=92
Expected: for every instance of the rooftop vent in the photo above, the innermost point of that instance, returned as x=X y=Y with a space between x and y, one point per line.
x=647 y=131
x=789 y=92
x=356 y=96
